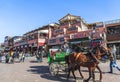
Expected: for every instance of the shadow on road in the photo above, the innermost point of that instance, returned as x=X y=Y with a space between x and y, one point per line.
x=33 y=61
x=44 y=73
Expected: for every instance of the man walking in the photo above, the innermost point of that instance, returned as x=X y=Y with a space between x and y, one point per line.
x=112 y=57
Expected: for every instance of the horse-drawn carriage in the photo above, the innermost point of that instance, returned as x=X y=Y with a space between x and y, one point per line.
x=76 y=60
x=57 y=62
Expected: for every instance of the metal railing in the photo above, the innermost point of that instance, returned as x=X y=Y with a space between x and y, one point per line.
x=112 y=21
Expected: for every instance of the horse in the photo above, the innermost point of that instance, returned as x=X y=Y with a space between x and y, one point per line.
x=76 y=60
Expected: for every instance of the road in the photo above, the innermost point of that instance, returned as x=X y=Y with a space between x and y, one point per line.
x=32 y=71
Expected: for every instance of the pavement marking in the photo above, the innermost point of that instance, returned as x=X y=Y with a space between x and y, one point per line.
x=112 y=77
x=25 y=75
x=17 y=80
x=36 y=80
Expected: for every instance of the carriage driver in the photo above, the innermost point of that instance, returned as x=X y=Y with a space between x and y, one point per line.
x=93 y=52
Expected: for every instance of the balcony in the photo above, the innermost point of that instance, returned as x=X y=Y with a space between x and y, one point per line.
x=112 y=21
x=58 y=31
x=64 y=26
x=72 y=30
x=113 y=37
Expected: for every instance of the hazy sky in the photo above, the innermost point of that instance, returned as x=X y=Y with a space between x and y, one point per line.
x=20 y=16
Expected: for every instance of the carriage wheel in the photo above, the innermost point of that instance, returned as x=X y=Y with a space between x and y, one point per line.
x=53 y=68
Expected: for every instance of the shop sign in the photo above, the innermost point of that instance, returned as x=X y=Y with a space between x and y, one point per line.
x=41 y=40
x=41 y=44
x=99 y=24
x=81 y=35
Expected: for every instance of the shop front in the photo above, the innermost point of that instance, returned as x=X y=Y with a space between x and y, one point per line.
x=112 y=40
x=57 y=42
x=41 y=43
x=113 y=36
x=85 y=39
x=117 y=45
x=32 y=46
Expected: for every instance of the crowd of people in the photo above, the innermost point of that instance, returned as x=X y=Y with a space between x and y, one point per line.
x=10 y=56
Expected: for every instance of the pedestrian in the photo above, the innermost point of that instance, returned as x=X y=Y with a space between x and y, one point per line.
x=22 y=56
x=0 y=57
x=42 y=54
x=112 y=58
x=7 y=56
x=11 y=57
x=38 y=56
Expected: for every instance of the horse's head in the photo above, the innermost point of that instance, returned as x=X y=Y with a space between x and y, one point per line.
x=103 y=52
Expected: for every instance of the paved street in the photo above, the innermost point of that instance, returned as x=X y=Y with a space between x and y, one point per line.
x=31 y=71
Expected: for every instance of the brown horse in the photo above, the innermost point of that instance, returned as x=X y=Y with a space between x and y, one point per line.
x=76 y=60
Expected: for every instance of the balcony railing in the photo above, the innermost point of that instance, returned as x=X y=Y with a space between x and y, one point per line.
x=58 y=31
x=112 y=21
x=112 y=37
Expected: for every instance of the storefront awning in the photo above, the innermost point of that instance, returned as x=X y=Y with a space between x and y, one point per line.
x=77 y=42
x=113 y=42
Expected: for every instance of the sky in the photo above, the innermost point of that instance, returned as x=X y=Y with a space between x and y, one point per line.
x=20 y=16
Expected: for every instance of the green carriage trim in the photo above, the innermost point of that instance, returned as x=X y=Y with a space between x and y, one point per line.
x=59 y=57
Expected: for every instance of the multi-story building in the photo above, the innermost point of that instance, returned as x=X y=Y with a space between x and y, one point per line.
x=71 y=29
x=7 y=43
x=74 y=30
x=16 y=40
x=2 y=47
x=113 y=34
x=35 y=39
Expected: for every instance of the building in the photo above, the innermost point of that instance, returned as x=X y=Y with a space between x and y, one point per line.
x=71 y=29
x=74 y=30
x=113 y=34
x=7 y=43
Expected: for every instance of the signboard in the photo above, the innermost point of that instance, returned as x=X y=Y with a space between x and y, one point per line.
x=99 y=24
x=41 y=40
x=59 y=40
x=81 y=35
x=85 y=34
